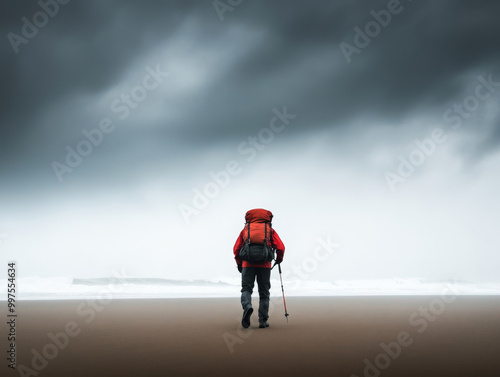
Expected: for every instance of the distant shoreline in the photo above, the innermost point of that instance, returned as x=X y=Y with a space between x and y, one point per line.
x=67 y=288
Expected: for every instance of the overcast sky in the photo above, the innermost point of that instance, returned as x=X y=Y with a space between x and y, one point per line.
x=373 y=124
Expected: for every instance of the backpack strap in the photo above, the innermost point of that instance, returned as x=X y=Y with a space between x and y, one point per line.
x=269 y=246
x=248 y=233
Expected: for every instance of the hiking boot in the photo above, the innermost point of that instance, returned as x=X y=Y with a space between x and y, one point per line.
x=245 y=321
x=263 y=325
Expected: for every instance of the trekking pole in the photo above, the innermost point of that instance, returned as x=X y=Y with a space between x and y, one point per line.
x=282 y=290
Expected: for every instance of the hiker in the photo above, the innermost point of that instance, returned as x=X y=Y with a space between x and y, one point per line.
x=253 y=251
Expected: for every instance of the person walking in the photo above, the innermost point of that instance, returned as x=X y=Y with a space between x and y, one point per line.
x=253 y=251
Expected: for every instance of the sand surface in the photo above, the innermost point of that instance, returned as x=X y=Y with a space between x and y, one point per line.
x=330 y=336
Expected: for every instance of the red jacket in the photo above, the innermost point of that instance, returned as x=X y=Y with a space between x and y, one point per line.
x=275 y=242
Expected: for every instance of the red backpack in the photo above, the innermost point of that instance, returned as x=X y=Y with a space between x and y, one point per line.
x=257 y=234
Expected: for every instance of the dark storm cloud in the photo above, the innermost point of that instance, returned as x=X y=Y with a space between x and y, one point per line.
x=418 y=61
x=84 y=48
x=414 y=62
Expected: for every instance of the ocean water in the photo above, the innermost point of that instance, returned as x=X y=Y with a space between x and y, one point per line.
x=62 y=288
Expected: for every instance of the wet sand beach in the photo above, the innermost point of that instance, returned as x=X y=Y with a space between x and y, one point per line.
x=325 y=336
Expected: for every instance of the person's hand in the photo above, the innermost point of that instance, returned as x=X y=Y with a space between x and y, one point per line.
x=279 y=260
x=240 y=268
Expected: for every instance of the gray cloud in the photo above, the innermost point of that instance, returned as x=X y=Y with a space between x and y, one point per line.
x=263 y=55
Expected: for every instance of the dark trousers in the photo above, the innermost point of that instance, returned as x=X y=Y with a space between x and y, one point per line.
x=263 y=275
